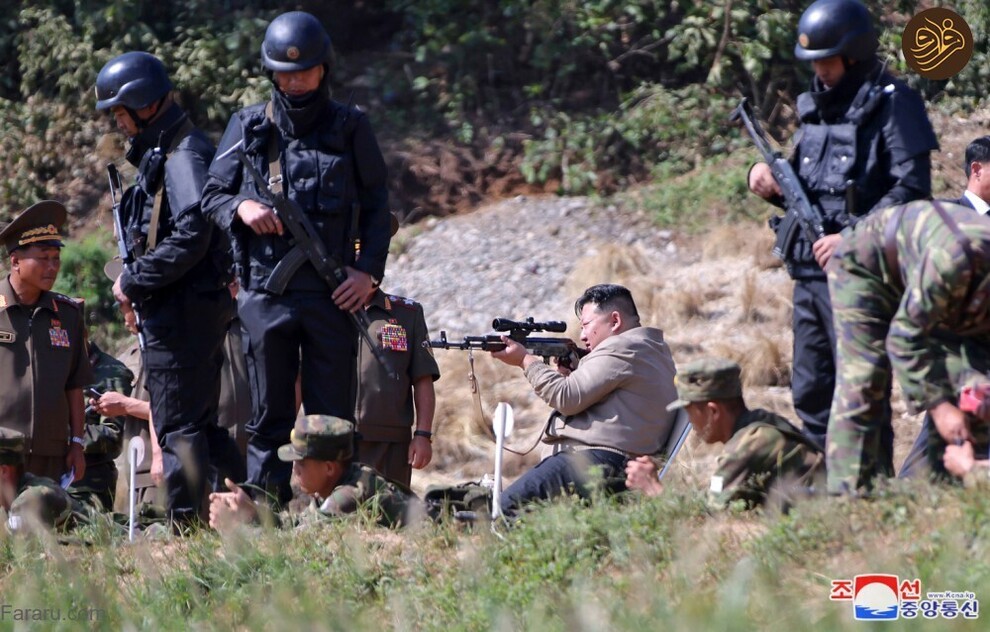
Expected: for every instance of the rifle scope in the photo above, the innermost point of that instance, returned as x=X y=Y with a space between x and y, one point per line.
x=506 y=324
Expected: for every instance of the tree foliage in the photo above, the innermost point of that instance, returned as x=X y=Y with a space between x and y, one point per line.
x=591 y=95
x=552 y=69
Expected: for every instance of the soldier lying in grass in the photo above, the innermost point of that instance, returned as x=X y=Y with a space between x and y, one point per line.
x=29 y=500
x=762 y=449
x=321 y=452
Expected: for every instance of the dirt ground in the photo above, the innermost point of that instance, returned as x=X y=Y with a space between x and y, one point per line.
x=721 y=294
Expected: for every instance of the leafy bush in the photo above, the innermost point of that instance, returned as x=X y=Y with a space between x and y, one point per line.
x=82 y=276
x=652 y=126
x=593 y=84
x=714 y=193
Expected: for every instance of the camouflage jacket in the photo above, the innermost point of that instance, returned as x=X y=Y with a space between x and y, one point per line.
x=42 y=501
x=944 y=295
x=362 y=489
x=765 y=449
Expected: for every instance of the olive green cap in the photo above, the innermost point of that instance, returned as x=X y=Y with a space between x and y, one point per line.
x=705 y=380
x=39 y=224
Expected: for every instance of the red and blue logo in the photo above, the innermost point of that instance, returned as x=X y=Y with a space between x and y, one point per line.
x=875 y=597
x=882 y=597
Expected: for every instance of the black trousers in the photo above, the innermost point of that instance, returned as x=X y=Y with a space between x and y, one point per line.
x=182 y=364
x=566 y=472
x=813 y=369
x=283 y=334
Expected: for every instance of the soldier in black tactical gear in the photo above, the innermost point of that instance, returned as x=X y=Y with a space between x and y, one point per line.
x=179 y=277
x=864 y=144
x=323 y=156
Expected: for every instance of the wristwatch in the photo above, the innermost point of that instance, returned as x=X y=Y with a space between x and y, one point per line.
x=424 y=433
x=79 y=440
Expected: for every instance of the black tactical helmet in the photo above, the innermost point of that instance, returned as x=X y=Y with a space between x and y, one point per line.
x=134 y=80
x=295 y=41
x=836 y=27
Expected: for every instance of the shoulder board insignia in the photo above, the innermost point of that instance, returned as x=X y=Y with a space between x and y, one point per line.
x=66 y=299
x=3 y=301
x=402 y=300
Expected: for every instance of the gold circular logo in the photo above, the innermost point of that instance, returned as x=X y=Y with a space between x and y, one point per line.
x=937 y=43
x=803 y=40
x=292 y=53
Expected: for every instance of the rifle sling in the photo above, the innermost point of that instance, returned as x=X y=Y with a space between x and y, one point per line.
x=275 y=183
x=156 y=211
x=274 y=155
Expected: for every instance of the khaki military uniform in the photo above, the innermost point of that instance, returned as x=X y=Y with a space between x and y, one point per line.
x=134 y=427
x=42 y=355
x=385 y=413
x=235 y=390
x=765 y=451
x=34 y=500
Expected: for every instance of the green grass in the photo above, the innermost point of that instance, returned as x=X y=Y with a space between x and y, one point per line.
x=713 y=193
x=633 y=565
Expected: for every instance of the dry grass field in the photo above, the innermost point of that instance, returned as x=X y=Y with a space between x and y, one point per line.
x=724 y=295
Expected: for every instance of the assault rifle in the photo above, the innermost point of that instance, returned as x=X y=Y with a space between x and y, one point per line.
x=801 y=213
x=306 y=240
x=564 y=349
x=126 y=256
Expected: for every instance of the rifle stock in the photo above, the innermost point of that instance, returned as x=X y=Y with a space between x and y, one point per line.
x=126 y=257
x=801 y=212
x=305 y=238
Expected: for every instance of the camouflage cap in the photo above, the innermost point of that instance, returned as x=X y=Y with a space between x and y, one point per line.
x=320 y=437
x=39 y=224
x=44 y=505
x=705 y=380
x=12 y=445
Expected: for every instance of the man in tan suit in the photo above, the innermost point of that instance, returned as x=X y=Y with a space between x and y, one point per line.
x=611 y=408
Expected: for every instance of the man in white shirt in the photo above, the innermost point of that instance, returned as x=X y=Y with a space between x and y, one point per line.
x=977 y=193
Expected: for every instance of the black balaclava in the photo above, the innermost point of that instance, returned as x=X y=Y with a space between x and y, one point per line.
x=833 y=102
x=300 y=116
